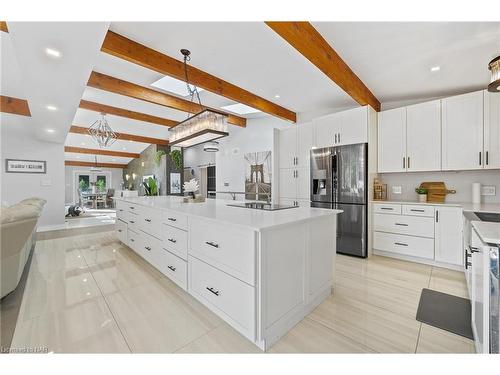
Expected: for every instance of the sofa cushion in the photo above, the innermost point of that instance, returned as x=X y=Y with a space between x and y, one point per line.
x=19 y=212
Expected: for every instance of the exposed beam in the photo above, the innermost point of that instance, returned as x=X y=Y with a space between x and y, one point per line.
x=124 y=48
x=3 y=27
x=123 y=136
x=308 y=41
x=91 y=164
x=97 y=107
x=92 y=151
x=118 y=86
x=14 y=105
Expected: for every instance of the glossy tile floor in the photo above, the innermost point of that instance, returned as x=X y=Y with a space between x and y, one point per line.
x=89 y=293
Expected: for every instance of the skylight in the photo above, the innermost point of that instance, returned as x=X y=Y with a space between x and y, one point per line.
x=240 y=109
x=173 y=85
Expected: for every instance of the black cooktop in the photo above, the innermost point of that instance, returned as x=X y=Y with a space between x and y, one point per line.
x=488 y=216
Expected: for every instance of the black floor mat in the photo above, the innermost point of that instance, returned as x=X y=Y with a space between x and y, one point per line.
x=444 y=311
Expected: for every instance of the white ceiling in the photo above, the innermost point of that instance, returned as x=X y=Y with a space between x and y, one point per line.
x=100 y=158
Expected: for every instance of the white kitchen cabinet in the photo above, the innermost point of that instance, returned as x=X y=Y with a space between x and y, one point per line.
x=287 y=183
x=462 y=132
x=327 y=130
x=423 y=137
x=303 y=178
x=448 y=228
x=392 y=140
x=354 y=126
x=491 y=130
x=305 y=142
x=288 y=147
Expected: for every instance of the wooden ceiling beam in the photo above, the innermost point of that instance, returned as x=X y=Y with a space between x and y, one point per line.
x=92 y=151
x=3 y=27
x=121 y=87
x=123 y=136
x=97 y=107
x=126 y=49
x=75 y=163
x=308 y=41
x=14 y=105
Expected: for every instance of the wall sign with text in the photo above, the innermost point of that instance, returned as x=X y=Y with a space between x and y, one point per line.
x=25 y=166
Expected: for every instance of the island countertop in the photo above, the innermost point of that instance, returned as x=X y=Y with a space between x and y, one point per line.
x=218 y=210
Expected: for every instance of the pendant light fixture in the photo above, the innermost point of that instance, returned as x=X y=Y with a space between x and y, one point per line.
x=494 y=66
x=102 y=132
x=204 y=126
x=212 y=146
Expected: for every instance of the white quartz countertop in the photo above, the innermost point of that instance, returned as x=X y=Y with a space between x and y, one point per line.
x=489 y=232
x=218 y=210
x=466 y=206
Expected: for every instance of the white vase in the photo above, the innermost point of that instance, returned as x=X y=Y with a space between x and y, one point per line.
x=422 y=198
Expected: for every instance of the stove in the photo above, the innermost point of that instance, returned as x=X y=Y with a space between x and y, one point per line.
x=262 y=206
x=488 y=216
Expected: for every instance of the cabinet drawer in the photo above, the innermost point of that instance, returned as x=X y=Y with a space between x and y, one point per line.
x=121 y=205
x=175 y=219
x=387 y=208
x=131 y=207
x=404 y=245
x=175 y=240
x=404 y=224
x=133 y=239
x=133 y=220
x=418 y=210
x=150 y=221
x=121 y=214
x=121 y=231
x=231 y=249
x=231 y=297
x=149 y=248
x=173 y=267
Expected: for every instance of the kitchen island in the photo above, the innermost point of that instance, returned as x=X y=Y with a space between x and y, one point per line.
x=260 y=271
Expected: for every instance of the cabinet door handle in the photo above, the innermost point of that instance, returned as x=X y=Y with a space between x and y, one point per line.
x=147 y=248
x=210 y=289
x=437 y=216
x=132 y=240
x=213 y=244
x=172 y=219
x=132 y=208
x=131 y=221
x=404 y=159
x=400 y=244
x=148 y=220
x=386 y=208
x=415 y=210
x=480 y=161
x=487 y=158
x=172 y=240
x=171 y=268
x=401 y=224
x=335 y=138
x=408 y=163
x=119 y=230
x=339 y=137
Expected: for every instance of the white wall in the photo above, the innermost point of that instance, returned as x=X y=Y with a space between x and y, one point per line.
x=116 y=179
x=257 y=136
x=195 y=156
x=18 y=142
x=459 y=181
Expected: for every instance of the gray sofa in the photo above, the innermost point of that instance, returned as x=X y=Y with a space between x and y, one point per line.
x=17 y=235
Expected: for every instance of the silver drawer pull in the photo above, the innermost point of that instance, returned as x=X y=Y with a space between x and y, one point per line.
x=132 y=240
x=132 y=208
x=131 y=221
x=212 y=244
x=401 y=224
x=119 y=230
x=172 y=240
x=400 y=244
x=415 y=210
x=387 y=208
x=147 y=248
x=148 y=220
x=172 y=268
x=172 y=219
x=210 y=289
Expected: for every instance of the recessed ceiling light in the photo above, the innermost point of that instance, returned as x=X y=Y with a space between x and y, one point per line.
x=83 y=143
x=52 y=52
x=51 y=107
x=240 y=109
x=113 y=159
x=277 y=96
x=50 y=130
x=77 y=156
x=124 y=148
x=435 y=69
x=174 y=85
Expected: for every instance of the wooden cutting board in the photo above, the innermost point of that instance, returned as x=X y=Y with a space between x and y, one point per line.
x=436 y=191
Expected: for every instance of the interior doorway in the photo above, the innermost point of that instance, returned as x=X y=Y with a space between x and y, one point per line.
x=90 y=181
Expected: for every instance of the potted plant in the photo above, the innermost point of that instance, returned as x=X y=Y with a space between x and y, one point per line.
x=422 y=194
x=159 y=154
x=150 y=187
x=101 y=185
x=176 y=156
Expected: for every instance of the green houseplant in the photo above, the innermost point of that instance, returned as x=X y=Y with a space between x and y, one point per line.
x=101 y=185
x=422 y=194
x=176 y=156
x=159 y=155
x=150 y=187
x=83 y=185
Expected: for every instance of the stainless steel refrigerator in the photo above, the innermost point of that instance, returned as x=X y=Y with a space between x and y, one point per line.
x=338 y=181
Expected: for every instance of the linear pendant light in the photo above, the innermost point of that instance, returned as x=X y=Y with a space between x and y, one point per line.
x=205 y=126
x=494 y=66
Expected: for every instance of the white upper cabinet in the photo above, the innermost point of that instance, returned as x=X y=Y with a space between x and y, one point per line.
x=491 y=130
x=327 y=130
x=354 y=126
x=392 y=140
x=462 y=132
x=423 y=137
x=305 y=142
x=288 y=147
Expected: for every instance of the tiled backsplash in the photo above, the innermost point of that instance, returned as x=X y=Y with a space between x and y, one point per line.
x=460 y=181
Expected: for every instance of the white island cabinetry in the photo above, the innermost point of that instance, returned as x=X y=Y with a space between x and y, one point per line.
x=260 y=271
